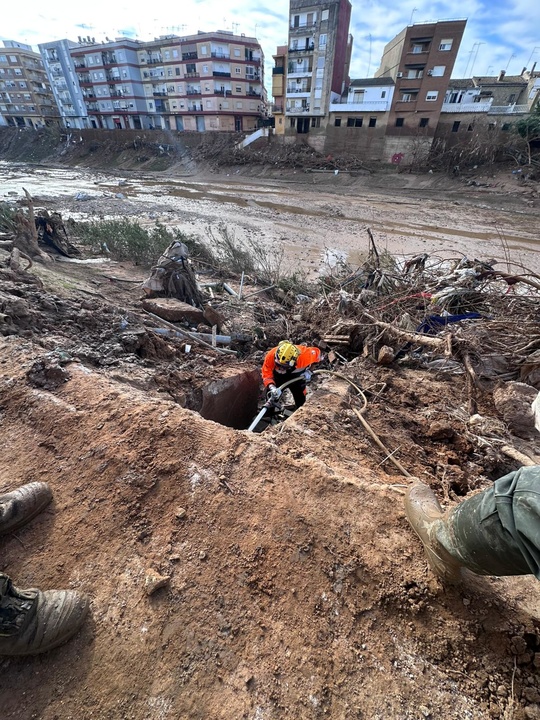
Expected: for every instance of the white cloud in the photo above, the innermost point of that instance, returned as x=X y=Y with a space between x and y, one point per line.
x=503 y=31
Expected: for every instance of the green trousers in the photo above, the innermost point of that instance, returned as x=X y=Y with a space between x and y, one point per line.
x=497 y=532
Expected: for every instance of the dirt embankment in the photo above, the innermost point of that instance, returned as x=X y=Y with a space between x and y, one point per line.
x=296 y=588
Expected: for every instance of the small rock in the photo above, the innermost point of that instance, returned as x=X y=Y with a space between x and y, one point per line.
x=202 y=555
x=386 y=355
x=502 y=691
x=153 y=581
x=180 y=513
x=532 y=712
x=425 y=711
x=532 y=695
x=466 y=601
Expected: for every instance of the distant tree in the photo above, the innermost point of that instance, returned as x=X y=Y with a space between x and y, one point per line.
x=529 y=129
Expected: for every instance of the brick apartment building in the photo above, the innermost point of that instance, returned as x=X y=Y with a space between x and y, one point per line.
x=208 y=81
x=318 y=58
x=26 y=98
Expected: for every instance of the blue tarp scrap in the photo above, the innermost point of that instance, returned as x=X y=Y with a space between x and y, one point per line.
x=431 y=324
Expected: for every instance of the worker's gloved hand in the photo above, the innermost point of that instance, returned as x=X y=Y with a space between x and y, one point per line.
x=308 y=375
x=274 y=393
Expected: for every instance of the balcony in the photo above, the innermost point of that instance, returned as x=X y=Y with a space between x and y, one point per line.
x=154 y=61
x=79 y=64
x=190 y=56
x=302 y=26
x=116 y=93
x=297 y=51
x=508 y=109
x=85 y=80
x=370 y=106
x=253 y=93
x=296 y=89
x=466 y=107
x=192 y=75
x=92 y=107
x=108 y=59
x=223 y=92
x=193 y=91
x=195 y=107
x=299 y=72
x=253 y=78
x=216 y=73
x=278 y=71
x=298 y=110
x=277 y=108
x=221 y=55
x=159 y=93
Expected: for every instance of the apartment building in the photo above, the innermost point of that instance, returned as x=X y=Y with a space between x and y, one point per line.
x=26 y=98
x=420 y=60
x=318 y=59
x=208 y=81
x=60 y=69
x=279 y=74
x=472 y=105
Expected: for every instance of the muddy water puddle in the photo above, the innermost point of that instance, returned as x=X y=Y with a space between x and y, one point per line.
x=305 y=220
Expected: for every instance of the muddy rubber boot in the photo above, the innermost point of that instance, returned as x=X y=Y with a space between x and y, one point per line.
x=426 y=518
x=20 y=506
x=32 y=621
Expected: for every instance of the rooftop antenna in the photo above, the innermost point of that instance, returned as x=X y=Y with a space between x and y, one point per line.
x=490 y=68
x=369 y=63
x=235 y=27
x=512 y=56
x=531 y=55
x=412 y=13
x=475 y=56
x=471 y=53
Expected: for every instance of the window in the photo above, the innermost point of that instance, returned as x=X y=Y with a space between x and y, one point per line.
x=293 y=122
x=424 y=122
x=350 y=122
x=169 y=72
x=337 y=122
x=409 y=96
x=320 y=63
x=383 y=94
x=512 y=98
x=491 y=126
x=505 y=127
x=236 y=52
x=445 y=45
x=324 y=15
x=400 y=122
x=203 y=50
x=191 y=68
x=322 y=39
x=372 y=122
x=237 y=70
x=470 y=128
x=167 y=54
x=3 y=58
x=208 y=103
x=177 y=71
x=432 y=95
x=355 y=122
x=316 y=122
x=175 y=53
x=238 y=88
x=455 y=126
x=205 y=68
x=438 y=71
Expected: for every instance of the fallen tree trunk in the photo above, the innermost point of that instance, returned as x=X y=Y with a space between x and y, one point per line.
x=412 y=337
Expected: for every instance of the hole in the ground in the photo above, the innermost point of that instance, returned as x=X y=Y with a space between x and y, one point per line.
x=232 y=401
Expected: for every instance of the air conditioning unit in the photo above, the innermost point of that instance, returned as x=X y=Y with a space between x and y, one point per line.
x=400 y=74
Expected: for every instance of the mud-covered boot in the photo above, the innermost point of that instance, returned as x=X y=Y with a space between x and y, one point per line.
x=428 y=521
x=20 y=506
x=32 y=621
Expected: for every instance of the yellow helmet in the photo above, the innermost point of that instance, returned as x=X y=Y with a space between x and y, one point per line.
x=287 y=353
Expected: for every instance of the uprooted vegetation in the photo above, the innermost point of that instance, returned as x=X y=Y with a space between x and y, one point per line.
x=292 y=586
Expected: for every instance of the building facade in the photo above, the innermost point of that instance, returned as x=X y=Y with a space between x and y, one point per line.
x=26 y=98
x=318 y=57
x=420 y=60
x=208 y=81
x=60 y=68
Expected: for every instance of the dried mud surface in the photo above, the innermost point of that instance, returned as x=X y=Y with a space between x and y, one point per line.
x=297 y=588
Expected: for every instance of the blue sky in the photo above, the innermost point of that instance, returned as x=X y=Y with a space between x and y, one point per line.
x=499 y=36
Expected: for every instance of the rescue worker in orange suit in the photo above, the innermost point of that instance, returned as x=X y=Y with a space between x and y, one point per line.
x=288 y=362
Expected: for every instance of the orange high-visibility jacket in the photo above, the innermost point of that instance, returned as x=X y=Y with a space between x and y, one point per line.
x=308 y=355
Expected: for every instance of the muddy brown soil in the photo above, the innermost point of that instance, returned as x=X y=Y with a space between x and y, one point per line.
x=297 y=588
